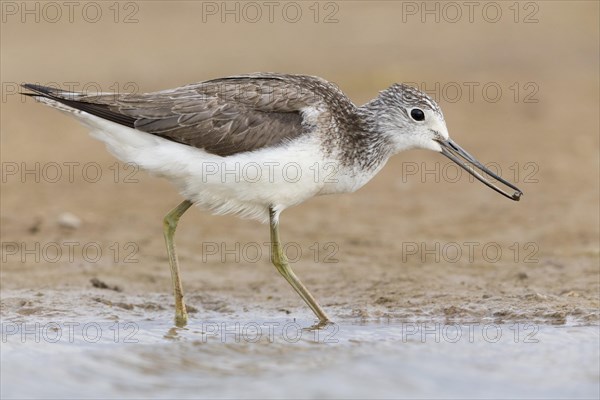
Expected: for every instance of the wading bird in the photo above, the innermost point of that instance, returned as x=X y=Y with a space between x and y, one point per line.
x=295 y=137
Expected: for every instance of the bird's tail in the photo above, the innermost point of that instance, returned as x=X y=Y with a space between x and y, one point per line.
x=39 y=90
x=77 y=102
x=53 y=97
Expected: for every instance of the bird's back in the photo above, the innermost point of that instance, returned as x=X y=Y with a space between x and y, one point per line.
x=223 y=116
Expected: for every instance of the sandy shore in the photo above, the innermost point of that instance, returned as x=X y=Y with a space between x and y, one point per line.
x=411 y=245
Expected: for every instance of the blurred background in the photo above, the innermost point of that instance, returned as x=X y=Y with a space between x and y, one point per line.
x=519 y=86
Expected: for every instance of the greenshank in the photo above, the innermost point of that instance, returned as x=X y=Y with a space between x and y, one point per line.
x=254 y=145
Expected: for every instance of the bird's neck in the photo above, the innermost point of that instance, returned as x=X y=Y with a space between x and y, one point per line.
x=363 y=144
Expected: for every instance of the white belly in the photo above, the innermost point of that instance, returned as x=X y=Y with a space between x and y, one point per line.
x=246 y=184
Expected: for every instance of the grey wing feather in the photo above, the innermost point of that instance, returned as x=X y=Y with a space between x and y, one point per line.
x=222 y=116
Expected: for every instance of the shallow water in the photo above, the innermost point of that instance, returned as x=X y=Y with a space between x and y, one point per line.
x=278 y=358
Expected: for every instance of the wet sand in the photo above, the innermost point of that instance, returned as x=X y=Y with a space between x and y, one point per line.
x=274 y=358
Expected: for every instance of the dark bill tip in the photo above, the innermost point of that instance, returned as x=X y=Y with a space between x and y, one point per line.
x=466 y=161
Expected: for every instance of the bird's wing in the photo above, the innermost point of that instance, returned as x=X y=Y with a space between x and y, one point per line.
x=222 y=116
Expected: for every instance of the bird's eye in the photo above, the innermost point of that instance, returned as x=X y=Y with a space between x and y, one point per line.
x=417 y=114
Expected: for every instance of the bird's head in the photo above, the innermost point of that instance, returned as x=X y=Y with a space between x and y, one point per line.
x=411 y=119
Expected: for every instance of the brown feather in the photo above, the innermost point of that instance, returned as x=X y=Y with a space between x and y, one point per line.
x=222 y=116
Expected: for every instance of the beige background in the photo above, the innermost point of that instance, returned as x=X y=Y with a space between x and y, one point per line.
x=369 y=47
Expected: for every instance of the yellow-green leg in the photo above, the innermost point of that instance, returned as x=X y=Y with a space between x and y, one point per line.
x=169 y=225
x=281 y=263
